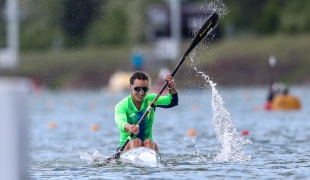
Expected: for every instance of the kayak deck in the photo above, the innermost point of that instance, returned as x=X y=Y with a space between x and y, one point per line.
x=141 y=156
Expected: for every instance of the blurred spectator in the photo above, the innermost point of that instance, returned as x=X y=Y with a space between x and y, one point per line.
x=137 y=59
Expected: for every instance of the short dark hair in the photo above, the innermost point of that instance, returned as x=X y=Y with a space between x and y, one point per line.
x=138 y=75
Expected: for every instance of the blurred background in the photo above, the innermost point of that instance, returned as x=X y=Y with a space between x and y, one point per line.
x=82 y=43
x=98 y=44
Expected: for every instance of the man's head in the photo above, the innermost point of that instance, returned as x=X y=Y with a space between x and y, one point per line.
x=139 y=85
x=138 y=75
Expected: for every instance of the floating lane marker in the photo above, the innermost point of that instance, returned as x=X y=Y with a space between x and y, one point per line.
x=94 y=127
x=191 y=132
x=52 y=125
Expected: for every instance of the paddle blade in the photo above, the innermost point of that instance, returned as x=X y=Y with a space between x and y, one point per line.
x=204 y=31
x=114 y=157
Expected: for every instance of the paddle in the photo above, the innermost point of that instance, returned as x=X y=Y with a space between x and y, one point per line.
x=205 y=30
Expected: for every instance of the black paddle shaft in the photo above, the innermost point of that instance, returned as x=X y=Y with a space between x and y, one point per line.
x=204 y=31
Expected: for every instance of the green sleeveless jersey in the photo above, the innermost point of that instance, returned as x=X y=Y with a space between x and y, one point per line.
x=127 y=113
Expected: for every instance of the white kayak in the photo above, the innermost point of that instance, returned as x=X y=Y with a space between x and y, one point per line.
x=141 y=156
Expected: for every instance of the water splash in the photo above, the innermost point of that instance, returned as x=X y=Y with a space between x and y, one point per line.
x=95 y=159
x=225 y=131
x=211 y=6
x=217 y=6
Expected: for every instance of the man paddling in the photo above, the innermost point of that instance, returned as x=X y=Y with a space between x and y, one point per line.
x=129 y=111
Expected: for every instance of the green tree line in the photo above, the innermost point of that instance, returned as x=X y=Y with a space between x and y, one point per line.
x=85 y=23
x=269 y=16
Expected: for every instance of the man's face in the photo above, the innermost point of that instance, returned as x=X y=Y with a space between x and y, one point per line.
x=139 y=89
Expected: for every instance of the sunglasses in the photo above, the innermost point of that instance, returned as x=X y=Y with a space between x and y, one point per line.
x=139 y=89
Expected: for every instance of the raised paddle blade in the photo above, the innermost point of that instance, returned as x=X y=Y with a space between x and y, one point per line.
x=204 y=31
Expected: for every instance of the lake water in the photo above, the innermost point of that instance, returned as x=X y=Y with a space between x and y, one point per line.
x=280 y=147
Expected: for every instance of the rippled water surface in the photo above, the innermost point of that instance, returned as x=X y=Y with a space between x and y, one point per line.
x=280 y=147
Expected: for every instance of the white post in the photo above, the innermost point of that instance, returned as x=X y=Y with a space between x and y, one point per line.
x=14 y=119
x=9 y=57
x=175 y=25
x=272 y=61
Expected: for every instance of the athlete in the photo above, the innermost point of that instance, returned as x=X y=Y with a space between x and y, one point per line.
x=129 y=111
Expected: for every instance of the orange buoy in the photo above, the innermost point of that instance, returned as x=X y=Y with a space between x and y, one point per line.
x=94 y=127
x=51 y=125
x=285 y=102
x=191 y=132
